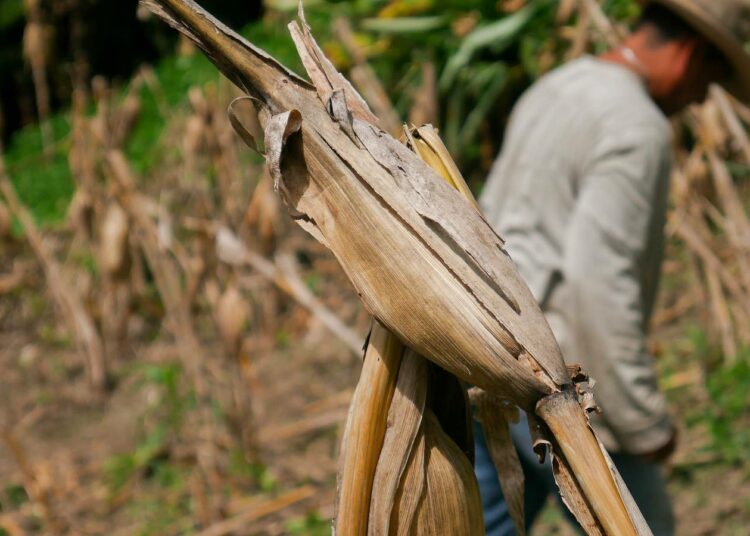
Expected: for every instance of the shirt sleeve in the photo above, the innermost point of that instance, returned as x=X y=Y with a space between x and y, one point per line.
x=605 y=246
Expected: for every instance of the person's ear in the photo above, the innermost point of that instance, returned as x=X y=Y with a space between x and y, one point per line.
x=676 y=62
x=683 y=54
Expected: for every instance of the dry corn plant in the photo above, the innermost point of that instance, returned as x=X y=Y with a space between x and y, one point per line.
x=448 y=304
x=67 y=299
x=121 y=231
x=174 y=254
x=710 y=221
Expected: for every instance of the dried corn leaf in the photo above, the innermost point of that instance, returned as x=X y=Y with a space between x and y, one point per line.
x=495 y=417
x=366 y=430
x=404 y=420
x=411 y=491
x=113 y=251
x=232 y=316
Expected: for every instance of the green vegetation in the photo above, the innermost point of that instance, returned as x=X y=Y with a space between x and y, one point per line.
x=310 y=525
x=728 y=419
x=164 y=425
x=44 y=182
x=484 y=58
x=724 y=418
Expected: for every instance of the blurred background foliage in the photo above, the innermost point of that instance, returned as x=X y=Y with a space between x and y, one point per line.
x=483 y=54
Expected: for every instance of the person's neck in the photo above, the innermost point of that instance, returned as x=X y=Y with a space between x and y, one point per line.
x=625 y=56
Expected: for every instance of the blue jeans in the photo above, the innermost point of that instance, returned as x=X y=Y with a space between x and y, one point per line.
x=644 y=479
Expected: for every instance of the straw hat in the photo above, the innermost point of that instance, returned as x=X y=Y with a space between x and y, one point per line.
x=726 y=23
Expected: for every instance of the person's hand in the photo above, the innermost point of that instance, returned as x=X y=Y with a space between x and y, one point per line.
x=661 y=454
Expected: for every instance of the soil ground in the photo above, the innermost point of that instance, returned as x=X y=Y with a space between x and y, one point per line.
x=300 y=396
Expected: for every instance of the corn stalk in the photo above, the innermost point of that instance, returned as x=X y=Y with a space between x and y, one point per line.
x=426 y=265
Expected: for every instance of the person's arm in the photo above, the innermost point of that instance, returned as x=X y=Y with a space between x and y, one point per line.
x=605 y=246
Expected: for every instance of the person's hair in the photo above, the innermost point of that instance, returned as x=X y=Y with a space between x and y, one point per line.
x=665 y=24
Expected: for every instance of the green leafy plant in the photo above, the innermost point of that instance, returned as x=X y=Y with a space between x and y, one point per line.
x=310 y=525
x=146 y=458
x=728 y=418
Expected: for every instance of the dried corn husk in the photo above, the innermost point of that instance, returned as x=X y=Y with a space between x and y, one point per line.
x=385 y=500
x=424 y=483
x=494 y=414
x=423 y=260
x=399 y=478
x=371 y=200
x=450 y=502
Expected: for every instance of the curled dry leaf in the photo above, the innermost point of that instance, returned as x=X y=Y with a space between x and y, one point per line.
x=114 y=248
x=232 y=316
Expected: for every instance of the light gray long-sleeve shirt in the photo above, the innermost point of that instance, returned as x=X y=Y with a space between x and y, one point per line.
x=579 y=193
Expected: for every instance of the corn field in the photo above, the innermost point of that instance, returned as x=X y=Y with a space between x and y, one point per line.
x=181 y=357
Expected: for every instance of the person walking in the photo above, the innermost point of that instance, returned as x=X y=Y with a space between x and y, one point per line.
x=579 y=193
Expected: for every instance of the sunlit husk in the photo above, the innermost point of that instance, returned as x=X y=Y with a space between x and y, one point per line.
x=408 y=241
x=365 y=431
x=422 y=259
x=426 y=143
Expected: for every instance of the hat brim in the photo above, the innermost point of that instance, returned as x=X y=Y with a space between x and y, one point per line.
x=712 y=29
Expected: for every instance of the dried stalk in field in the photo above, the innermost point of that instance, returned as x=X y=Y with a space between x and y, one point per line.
x=179 y=318
x=35 y=51
x=73 y=310
x=37 y=489
x=282 y=273
x=425 y=264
